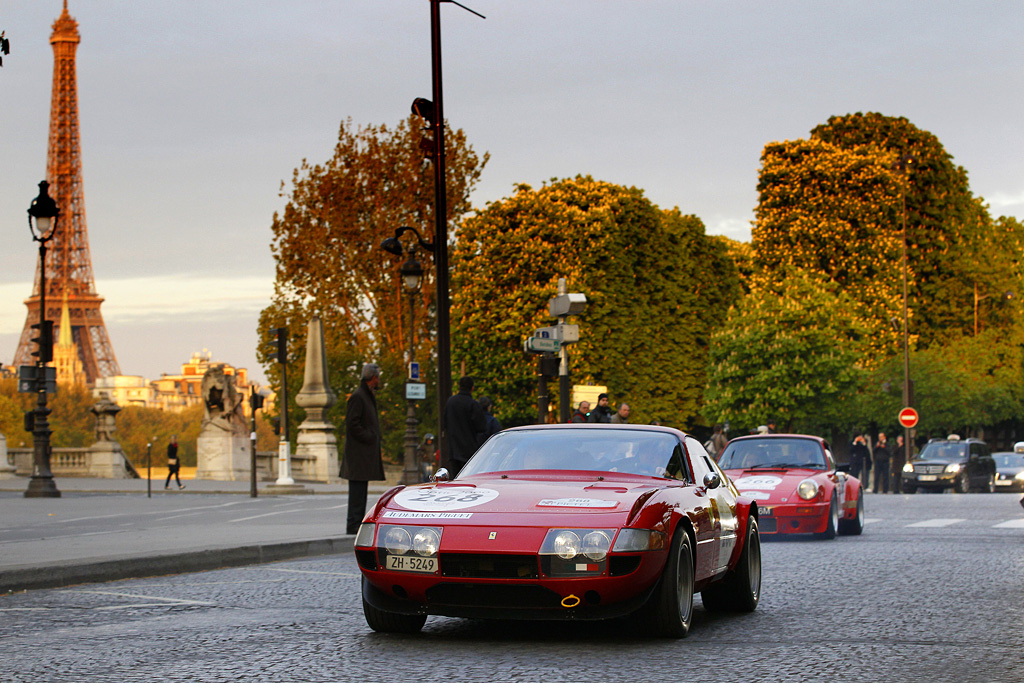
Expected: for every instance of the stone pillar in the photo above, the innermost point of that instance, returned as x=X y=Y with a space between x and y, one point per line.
x=7 y=470
x=106 y=457
x=316 y=439
x=222 y=450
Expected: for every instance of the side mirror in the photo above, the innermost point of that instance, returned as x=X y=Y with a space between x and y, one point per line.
x=712 y=480
x=440 y=475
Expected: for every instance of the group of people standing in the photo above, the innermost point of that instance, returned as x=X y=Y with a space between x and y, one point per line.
x=884 y=461
x=602 y=412
x=468 y=422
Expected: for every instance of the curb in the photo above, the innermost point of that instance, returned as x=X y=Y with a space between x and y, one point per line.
x=60 y=575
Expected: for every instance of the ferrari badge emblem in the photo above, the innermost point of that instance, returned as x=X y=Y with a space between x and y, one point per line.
x=493 y=535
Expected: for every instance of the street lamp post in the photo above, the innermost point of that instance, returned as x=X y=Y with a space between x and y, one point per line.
x=412 y=276
x=44 y=211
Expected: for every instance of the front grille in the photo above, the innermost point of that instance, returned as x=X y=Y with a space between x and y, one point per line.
x=493 y=595
x=481 y=566
x=929 y=469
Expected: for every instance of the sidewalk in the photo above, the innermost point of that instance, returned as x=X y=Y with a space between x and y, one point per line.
x=110 y=529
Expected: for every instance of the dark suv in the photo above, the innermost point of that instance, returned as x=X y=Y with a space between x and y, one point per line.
x=963 y=465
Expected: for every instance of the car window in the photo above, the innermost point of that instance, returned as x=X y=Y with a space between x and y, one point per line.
x=944 y=450
x=631 y=451
x=772 y=452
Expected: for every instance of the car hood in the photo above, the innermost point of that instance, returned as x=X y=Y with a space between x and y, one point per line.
x=507 y=501
x=773 y=485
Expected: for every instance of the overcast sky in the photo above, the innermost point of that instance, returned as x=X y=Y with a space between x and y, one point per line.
x=193 y=112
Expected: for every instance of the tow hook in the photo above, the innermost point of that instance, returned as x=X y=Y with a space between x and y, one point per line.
x=570 y=601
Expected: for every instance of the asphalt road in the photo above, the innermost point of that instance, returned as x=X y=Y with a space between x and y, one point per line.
x=933 y=590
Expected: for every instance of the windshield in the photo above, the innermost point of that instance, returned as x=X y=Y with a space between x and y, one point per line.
x=944 y=450
x=1009 y=459
x=603 y=450
x=749 y=454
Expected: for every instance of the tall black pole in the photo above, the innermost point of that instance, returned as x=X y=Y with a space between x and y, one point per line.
x=41 y=485
x=444 y=362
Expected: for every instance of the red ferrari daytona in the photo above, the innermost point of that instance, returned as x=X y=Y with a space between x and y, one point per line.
x=564 y=522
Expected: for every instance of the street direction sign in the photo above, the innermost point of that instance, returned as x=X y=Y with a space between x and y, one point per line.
x=567 y=304
x=908 y=417
x=541 y=345
x=567 y=334
x=415 y=390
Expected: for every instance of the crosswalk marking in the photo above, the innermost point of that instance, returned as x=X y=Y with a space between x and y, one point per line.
x=935 y=523
x=1010 y=524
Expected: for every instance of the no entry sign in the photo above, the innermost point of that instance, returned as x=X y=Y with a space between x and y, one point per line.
x=908 y=418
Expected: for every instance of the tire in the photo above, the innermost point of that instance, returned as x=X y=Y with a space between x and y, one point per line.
x=392 y=622
x=670 y=609
x=855 y=526
x=963 y=483
x=833 y=520
x=740 y=590
x=990 y=487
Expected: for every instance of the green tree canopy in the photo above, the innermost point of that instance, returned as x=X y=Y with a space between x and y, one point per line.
x=656 y=285
x=791 y=351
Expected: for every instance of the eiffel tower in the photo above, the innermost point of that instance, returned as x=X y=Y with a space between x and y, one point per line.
x=68 y=263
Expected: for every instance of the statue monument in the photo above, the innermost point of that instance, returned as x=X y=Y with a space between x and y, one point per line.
x=222 y=451
x=107 y=458
x=316 y=439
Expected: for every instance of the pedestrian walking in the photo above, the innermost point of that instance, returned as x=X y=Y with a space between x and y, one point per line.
x=601 y=413
x=899 y=458
x=361 y=460
x=881 y=457
x=464 y=421
x=621 y=416
x=173 y=464
x=859 y=454
x=582 y=410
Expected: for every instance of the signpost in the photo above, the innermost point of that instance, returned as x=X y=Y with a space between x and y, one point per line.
x=908 y=417
x=27 y=379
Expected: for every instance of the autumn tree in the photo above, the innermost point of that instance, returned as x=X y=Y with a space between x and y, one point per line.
x=656 y=285
x=326 y=244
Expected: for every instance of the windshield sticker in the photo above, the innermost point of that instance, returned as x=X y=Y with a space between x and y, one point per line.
x=577 y=503
x=762 y=481
x=441 y=500
x=404 y=514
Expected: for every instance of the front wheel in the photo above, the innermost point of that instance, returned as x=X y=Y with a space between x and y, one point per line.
x=990 y=487
x=855 y=526
x=392 y=622
x=833 y=520
x=963 y=483
x=740 y=590
x=671 y=605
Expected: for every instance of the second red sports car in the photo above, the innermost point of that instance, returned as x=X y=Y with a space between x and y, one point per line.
x=797 y=486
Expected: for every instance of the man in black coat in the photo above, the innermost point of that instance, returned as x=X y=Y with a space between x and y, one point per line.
x=465 y=422
x=602 y=414
x=361 y=461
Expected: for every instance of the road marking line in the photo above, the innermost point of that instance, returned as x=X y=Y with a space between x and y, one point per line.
x=180 y=601
x=869 y=520
x=1010 y=524
x=935 y=523
x=265 y=514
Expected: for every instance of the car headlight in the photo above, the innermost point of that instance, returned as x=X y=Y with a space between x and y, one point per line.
x=596 y=545
x=365 y=536
x=908 y=468
x=397 y=541
x=570 y=543
x=953 y=467
x=634 y=540
x=1020 y=476
x=426 y=542
x=567 y=544
x=807 y=489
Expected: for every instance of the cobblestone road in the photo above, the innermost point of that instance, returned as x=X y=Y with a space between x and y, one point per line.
x=933 y=590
